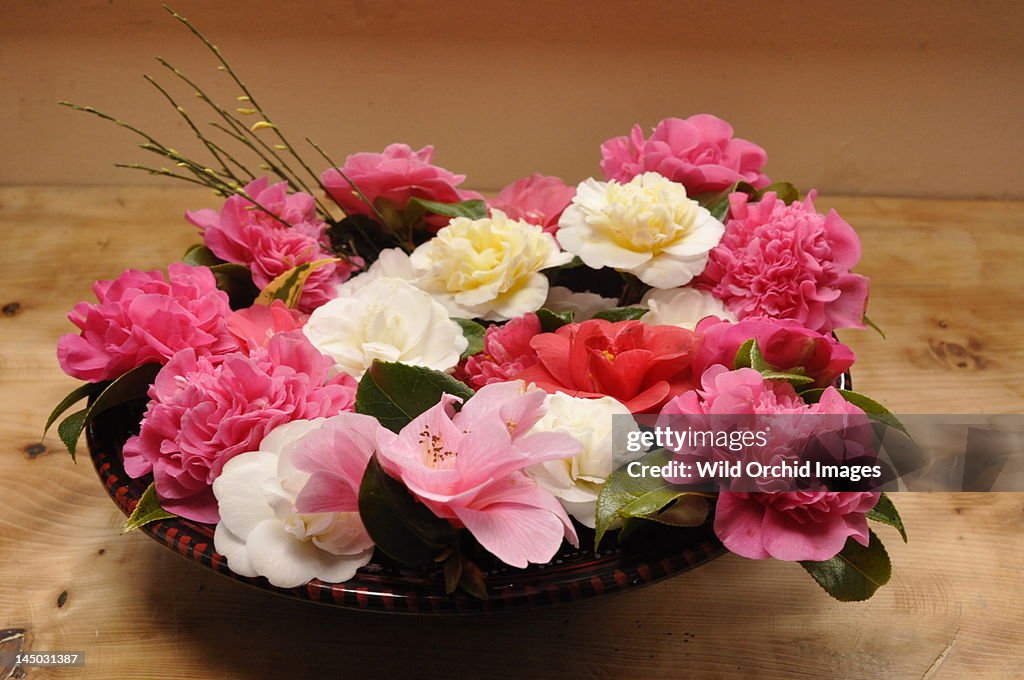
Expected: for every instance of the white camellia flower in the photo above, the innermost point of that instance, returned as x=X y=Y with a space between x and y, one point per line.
x=261 y=534
x=387 y=319
x=392 y=263
x=682 y=307
x=577 y=481
x=488 y=268
x=648 y=227
x=582 y=305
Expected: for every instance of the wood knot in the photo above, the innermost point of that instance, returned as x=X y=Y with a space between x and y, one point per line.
x=34 y=450
x=11 y=309
x=62 y=599
x=957 y=356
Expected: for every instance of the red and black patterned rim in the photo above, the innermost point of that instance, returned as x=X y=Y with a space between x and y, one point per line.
x=574 y=574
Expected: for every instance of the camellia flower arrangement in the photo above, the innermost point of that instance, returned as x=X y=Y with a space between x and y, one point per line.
x=373 y=360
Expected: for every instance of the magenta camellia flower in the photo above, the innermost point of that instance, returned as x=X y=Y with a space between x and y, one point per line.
x=204 y=411
x=254 y=326
x=284 y=232
x=537 y=199
x=142 y=318
x=788 y=262
x=507 y=352
x=699 y=152
x=395 y=176
x=785 y=344
x=786 y=525
x=468 y=467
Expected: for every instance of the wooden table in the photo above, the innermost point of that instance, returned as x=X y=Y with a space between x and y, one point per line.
x=948 y=288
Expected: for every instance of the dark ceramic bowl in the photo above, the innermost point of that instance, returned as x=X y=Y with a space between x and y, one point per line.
x=574 y=574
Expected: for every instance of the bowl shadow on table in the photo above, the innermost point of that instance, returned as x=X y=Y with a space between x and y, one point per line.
x=234 y=629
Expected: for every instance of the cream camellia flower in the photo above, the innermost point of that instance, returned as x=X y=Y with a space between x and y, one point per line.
x=582 y=305
x=682 y=307
x=386 y=319
x=261 y=534
x=577 y=481
x=648 y=227
x=488 y=268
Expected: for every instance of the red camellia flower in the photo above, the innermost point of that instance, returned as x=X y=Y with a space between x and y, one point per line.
x=642 y=366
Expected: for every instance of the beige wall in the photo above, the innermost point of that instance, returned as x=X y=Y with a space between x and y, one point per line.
x=922 y=99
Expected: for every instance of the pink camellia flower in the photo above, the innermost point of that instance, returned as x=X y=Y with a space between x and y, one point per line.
x=640 y=365
x=395 y=176
x=468 y=467
x=785 y=344
x=788 y=262
x=507 y=351
x=700 y=153
x=787 y=525
x=254 y=326
x=203 y=412
x=141 y=318
x=537 y=199
x=271 y=244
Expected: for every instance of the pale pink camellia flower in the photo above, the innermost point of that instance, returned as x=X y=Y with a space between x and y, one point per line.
x=270 y=244
x=395 y=176
x=507 y=351
x=203 y=412
x=254 y=326
x=699 y=152
x=143 y=318
x=537 y=199
x=468 y=467
x=785 y=344
x=788 y=262
x=786 y=525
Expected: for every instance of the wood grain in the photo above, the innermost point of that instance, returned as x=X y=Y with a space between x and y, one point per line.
x=948 y=289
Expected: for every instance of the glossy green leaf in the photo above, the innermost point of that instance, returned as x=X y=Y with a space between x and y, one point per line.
x=236 y=281
x=473 y=209
x=474 y=333
x=288 y=286
x=70 y=429
x=395 y=393
x=551 y=321
x=402 y=527
x=865 y=403
x=199 y=255
x=146 y=510
x=885 y=512
x=786 y=192
x=855 y=573
x=621 y=313
x=73 y=397
x=622 y=490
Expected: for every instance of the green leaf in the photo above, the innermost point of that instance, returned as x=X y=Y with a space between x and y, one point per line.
x=474 y=333
x=795 y=379
x=621 y=313
x=236 y=281
x=201 y=256
x=288 y=286
x=871 y=324
x=742 y=359
x=395 y=393
x=70 y=429
x=473 y=209
x=146 y=510
x=885 y=513
x=402 y=527
x=688 y=510
x=749 y=356
x=621 y=491
x=787 y=193
x=132 y=385
x=865 y=403
x=75 y=396
x=551 y=321
x=855 y=573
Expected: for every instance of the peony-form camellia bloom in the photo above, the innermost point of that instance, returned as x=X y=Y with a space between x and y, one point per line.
x=683 y=307
x=788 y=262
x=506 y=352
x=204 y=411
x=537 y=199
x=647 y=226
x=699 y=152
x=264 y=530
x=640 y=365
x=785 y=345
x=468 y=467
x=142 y=318
x=577 y=481
x=254 y=326
x=488 y=268
x=284 y=232
x=387 y=320
x=787 y=525
x=583 y=305
x=395 y=176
